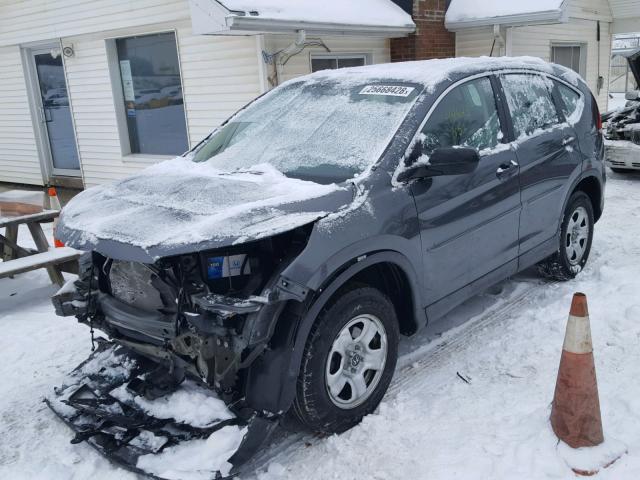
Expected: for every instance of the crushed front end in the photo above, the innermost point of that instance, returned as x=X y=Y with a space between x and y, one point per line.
x=201 y=318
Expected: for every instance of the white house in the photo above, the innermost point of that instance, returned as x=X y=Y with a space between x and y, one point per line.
x=93 y=91
x=574 y=33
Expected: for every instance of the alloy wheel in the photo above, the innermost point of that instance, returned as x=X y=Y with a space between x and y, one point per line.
x=356 y=361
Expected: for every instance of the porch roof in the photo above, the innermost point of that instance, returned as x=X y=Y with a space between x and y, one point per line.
x=329 y=17
x=472 y=13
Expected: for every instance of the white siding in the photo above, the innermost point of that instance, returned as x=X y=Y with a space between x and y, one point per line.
x=34 y=20
x=625 y=8
x=536 y=40
x=18 y=154
x=377 y=50
x=590 y=10
x=219 y=74
x=475 y=42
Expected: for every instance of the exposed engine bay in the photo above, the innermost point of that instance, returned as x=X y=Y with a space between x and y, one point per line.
x=205 y=314
x=624 y=124
x=203 y=317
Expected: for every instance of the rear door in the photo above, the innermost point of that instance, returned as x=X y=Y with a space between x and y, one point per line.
x=547 y=152
x=468 y=222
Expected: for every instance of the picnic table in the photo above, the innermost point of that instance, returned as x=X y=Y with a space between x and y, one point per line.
x=19 y=207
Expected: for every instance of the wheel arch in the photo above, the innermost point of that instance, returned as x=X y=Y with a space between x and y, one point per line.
x=592 y=187
x=271 y=383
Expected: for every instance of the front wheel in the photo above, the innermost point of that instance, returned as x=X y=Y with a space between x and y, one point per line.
x=576 y=235
x=348 y=361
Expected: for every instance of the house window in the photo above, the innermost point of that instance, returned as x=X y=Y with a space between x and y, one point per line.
x=332 y=62
x=152 y=94
x=570 y=56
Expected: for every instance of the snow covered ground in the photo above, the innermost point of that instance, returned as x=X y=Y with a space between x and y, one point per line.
x=432 y=424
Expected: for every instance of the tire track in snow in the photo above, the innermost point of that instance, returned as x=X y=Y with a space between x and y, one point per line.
x=434 y=355
x=439 y=353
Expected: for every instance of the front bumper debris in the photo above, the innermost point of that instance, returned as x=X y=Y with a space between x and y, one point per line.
x=92 y=404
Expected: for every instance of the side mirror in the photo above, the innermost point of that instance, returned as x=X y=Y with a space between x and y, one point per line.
x=443 y=161
x=633 y=95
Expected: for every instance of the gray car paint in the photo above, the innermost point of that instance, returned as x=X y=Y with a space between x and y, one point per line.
x=457 y=234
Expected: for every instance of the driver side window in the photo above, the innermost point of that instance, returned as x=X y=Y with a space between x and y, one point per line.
x=467 y=116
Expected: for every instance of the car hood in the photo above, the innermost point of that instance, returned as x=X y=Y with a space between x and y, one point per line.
x=179 y=207
x=634 y=63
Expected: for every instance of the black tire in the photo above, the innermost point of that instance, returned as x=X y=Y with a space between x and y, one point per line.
x=313 y=406
x=559 y=266
x=620 y=170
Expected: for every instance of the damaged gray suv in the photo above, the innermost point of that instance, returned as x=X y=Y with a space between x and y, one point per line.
x=278 y=262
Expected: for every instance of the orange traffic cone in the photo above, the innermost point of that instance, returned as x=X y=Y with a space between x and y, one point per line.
x=54 y=204
x=575 y=411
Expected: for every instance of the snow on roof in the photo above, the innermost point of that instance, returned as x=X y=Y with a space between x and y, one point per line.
x=350 y=17
x=356 y=12
x=474 y=13
x=432 y=72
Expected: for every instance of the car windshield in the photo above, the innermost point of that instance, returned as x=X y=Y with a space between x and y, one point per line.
x=321 y=131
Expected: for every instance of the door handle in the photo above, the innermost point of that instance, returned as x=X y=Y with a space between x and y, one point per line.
x=506 y=167
x=568 y=140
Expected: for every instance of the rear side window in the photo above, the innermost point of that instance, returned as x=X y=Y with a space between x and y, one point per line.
x=572 y=103
x=530 y=102
x=466 y=116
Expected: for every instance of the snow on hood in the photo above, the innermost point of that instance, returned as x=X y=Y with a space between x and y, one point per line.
x=179 y=206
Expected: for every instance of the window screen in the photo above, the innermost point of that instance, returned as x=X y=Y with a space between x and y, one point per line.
x=569 y=56
x=530 y=102
x=332 y=63
x=466 y=116
x=152 y=92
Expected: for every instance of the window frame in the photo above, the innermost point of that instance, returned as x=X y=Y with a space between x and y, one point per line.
x=552 y=93
x=582 y=67
x=505 y=122
x=503 y=109
x=496 y=99
x=366 y=57
x=113 y=65
x=557 y=96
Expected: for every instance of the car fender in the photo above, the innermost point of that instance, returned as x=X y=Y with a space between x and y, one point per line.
x=272 y=378
x=590 y=172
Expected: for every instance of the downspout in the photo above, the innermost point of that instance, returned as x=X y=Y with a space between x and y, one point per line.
x=497 y=38
x=280 y=58
x=600 y=81
x=283 y=55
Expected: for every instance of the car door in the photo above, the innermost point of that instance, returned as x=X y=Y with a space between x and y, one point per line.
x=468 y=222
x=547 y=152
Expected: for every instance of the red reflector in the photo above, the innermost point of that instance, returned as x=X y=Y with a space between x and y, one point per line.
x=57 y=243
x=598 y=116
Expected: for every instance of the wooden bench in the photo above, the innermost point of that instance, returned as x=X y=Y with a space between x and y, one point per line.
x=55 y=256
x=18 y=259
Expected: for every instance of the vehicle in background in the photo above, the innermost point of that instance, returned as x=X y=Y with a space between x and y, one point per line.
x=623 y=127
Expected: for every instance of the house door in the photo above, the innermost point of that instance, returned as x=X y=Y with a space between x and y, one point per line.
x=57 y=136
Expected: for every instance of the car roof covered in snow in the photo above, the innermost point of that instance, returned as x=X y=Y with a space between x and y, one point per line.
x=434 y=72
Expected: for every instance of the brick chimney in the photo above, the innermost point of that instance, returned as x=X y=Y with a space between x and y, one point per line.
x=431 y=39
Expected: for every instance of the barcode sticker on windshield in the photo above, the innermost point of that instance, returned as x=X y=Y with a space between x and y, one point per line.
x=389 y=90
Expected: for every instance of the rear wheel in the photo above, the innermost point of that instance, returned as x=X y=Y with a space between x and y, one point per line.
x=348 y=361
x=576 y=235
